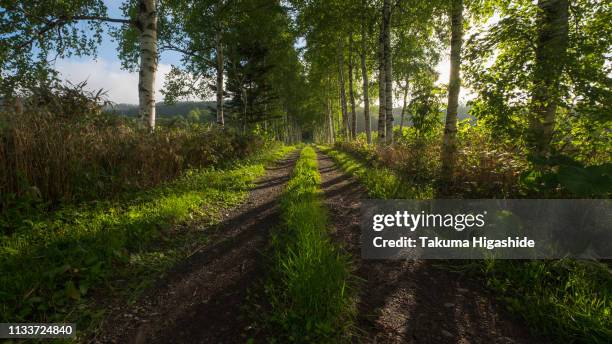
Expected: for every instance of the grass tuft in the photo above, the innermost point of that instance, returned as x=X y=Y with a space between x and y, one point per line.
x=311 y=288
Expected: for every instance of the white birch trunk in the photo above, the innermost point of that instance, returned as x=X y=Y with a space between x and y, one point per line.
x=366 y=96
x=147 y=27
x=351 y=91
x=219 y=50
x=330 y=120
x=345 y=120
x=381 y=88
x=449 y=144
x=550 y=59
x=388 y=72
x=404 y=105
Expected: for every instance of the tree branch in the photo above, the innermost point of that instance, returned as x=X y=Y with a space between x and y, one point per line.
x=103 y=19
x=67 y=20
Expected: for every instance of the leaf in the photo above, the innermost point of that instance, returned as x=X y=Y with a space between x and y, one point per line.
x=71 y=291
x=588 y=181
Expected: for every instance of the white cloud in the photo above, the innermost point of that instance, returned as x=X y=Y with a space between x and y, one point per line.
x=121 y=85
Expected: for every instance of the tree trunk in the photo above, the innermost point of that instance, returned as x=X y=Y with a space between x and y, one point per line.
x=245 y=106
x=351 y=91
x=381 y=88
x=401 y=127
x=366 y=96
x=551 y=49
x=219 y=49
x=345 y=120
x=449 y=144
x=388 y=71
x=330 y=122
x=147 y=27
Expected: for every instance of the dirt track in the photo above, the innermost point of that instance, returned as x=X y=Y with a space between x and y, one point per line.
x=202 y=299
x=412 y=301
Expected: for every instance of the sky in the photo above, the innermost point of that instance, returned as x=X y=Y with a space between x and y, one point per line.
x=121 y=86
x=104 y=71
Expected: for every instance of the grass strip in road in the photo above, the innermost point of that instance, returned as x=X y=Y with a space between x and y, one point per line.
x=310 y=289
x=52 y=262
x=567 y=300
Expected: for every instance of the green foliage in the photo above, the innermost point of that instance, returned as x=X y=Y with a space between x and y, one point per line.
x=311 y=290
x=381 y=182
x=67 y=150
x=501 y=67
x=52 y=261
x=425 y=104
x=563 y=174
x=33 y=32
x=568 y=300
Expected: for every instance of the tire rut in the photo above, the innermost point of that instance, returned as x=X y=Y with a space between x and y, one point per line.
x=411 y=301
x=201 y=300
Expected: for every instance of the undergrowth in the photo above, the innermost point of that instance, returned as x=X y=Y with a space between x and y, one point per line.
x=52 y=261
x=567 y=300
x=380 y=182
x=311 y=290
x=62 y=148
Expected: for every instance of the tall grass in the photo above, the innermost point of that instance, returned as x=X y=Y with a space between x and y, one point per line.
x=568 y=300
x=63 y=152
x=311 y=289
x=485 y=167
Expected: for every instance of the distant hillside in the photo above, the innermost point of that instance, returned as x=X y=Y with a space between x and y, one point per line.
x=397 y=112
x=166 y=110
x=207 y=108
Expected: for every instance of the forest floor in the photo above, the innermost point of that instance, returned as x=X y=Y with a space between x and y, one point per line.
x=412 y=301
x=203 y=299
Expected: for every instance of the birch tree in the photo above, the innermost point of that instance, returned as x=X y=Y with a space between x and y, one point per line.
x=199 y=36
x=352 y=90
x=450 y=128
x=388 y=80
x=550 y=58
x=542 y=78
x=364 y=76
x=405 y=89
x=219 y=72
x=382 y=94
x=146 y=23
x=32 y=31
x=346 y=126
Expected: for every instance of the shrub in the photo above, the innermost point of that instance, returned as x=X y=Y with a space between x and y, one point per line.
x=69 y=151
x=484 y=167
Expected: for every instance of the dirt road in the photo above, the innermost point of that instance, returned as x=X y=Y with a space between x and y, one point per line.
x=202 y=299
x=412 y=301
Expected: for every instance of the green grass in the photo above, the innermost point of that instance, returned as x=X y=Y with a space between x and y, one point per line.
x=53 y=261
x=311 y=289
x=568 y=301
x=380 y=182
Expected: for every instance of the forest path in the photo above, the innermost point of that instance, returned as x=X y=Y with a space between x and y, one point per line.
x=202 y=299
x=411 y=301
